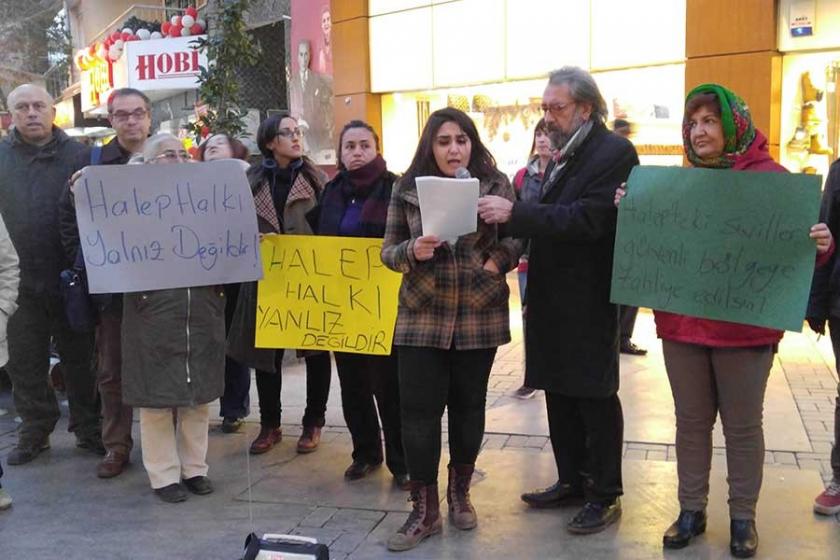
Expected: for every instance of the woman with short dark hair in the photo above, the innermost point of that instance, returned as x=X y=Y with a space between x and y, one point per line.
x=453 y=314
x=286 y=186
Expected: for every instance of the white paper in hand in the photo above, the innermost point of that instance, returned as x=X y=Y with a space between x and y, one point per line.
x=448 y=207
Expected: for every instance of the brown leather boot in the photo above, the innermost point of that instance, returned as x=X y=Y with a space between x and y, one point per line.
x=112 y=465
x=309 y=439
x=268 y=437
x=423 y=521
x=461 y=511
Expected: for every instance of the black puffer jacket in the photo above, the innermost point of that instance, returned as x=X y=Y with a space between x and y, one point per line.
x=32 y=179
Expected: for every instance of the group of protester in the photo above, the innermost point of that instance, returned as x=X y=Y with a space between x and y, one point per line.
x=453 y=311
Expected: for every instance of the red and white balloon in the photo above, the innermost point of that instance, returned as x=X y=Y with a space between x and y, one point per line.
x=113 y=46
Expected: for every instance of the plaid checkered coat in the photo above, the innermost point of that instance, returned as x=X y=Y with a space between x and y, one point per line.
x=450 y=300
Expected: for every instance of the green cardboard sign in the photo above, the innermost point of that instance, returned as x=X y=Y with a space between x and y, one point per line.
x=719 y=244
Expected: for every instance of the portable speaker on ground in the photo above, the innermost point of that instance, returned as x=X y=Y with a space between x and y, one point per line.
x=284 y=547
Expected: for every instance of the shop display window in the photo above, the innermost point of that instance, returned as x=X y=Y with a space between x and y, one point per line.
x=506 y=114
x=810 y=121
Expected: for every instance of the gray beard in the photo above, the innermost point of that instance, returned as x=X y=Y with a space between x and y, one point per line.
x=559 y=138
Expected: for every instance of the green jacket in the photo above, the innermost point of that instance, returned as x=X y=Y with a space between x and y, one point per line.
x=173 y=347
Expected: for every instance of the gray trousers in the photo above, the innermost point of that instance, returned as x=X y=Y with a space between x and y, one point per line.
x=37 y=318
x=732 y=381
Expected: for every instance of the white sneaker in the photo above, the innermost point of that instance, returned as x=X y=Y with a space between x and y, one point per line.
x=5 y=500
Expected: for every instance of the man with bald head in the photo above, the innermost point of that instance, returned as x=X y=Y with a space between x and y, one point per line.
x=36 y=160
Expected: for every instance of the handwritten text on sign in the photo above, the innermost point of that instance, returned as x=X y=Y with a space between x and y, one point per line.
x=150 y=227
x=326 y=293
x=719 y=244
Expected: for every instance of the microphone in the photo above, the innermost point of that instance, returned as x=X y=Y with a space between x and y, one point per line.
x=462 y=173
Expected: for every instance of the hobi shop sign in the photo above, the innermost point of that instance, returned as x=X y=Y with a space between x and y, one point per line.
x=164 y=64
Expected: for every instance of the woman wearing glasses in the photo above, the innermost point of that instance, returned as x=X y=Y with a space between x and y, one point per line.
x=173 y=358
x=286 y=186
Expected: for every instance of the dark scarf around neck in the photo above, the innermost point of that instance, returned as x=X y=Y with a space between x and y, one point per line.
x=370 y=183
x=363 y=179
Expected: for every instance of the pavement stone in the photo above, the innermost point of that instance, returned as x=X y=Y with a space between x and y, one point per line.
x=307 y=495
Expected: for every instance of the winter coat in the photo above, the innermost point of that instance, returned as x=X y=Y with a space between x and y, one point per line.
x=326 y=218
x=450 y=301
x=173 y=352
x=571 y=334
x=303 y=197
x=112 y=154
x=825 y=289
x=720 y=334
x=528 y=185
x=9 y=280
x=528 y=181
x=32 y=179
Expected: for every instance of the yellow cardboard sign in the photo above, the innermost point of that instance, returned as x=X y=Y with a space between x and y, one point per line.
x=326 y=293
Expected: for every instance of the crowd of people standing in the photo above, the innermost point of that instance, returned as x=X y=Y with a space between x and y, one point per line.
x=555 y=223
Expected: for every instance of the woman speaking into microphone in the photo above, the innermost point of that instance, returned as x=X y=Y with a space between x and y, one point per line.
x=453 y=313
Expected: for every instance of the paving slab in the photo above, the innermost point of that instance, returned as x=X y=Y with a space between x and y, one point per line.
x=508 y=529
x=648 y=405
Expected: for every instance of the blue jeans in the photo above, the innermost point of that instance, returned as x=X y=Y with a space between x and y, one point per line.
x=523 y=283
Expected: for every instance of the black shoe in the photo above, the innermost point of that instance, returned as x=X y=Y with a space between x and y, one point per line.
x=199 y=485
x=628 y=347
x=555 y=495
x=687 y=526
x=231 y=425
x=360 y=469
x=403 y=481
x=595 y=517
x=25 y=452
x=171 y=494
x=91 y=443
x=744 y=539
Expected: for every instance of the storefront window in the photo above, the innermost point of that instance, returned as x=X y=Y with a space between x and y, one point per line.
x=506 y=114
x=810 y=127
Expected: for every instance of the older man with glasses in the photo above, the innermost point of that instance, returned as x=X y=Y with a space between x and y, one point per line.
x=572 y=334
x=129 y=111
x=36 y=160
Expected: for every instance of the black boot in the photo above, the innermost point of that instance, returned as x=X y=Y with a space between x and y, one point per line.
x=743 y=541
x=595 y=517
x=556 y=495
x=687 y=526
